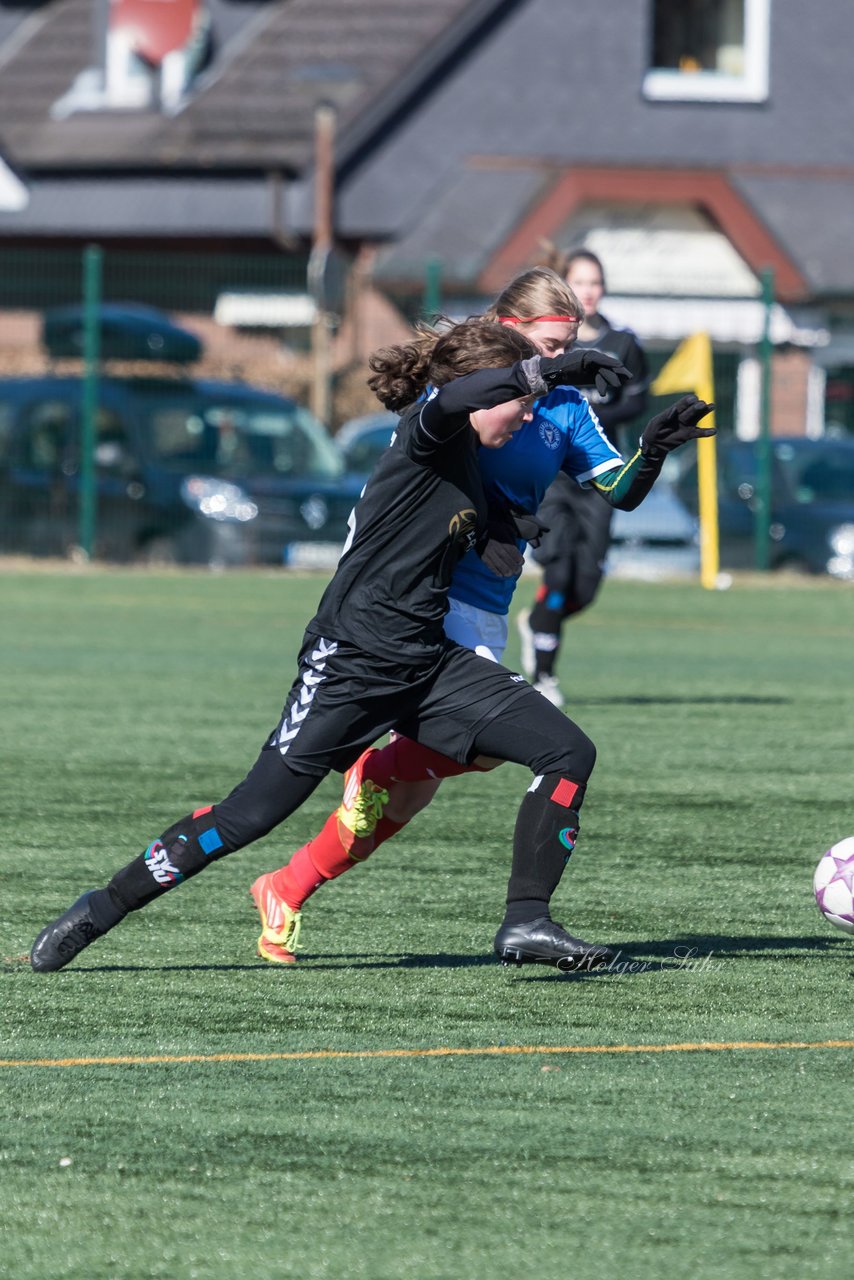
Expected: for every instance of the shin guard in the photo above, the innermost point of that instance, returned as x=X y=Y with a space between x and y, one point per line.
x=181 y=852
x=544 y=838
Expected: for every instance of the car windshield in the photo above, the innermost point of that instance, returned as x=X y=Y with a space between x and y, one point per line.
x=367 y=448
x=818 y=473
x=238 y=440
x=804 y=471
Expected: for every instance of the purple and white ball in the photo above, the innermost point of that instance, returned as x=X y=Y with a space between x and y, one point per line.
x=834 y=885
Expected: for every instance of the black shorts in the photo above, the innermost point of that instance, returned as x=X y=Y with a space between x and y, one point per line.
x=344 y=698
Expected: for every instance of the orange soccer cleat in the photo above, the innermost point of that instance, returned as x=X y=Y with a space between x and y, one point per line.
x=280 y=924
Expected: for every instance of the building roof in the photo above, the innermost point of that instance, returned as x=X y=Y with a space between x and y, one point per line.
x=457 y=120
x=812 y=214
x=252 y=108
x=491 y=219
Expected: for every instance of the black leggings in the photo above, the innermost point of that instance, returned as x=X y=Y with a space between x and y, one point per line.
x=529 y=731
x=572 y=554
x=546 y=741
x=268 y=795
x=532 y=732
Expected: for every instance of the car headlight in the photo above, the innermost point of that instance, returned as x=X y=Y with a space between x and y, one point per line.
x=841 y=539
x=217 y=499
x=315 y=512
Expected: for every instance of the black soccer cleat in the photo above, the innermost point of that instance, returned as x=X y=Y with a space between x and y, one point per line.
x=63 y=939
x=544 y=941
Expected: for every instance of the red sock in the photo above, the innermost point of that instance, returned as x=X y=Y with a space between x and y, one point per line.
x=333 y=851
x=297 y=880
x=404 y=760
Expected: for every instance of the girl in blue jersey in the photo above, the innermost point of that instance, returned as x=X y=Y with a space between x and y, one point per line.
x=564 y=436
x=386 y=787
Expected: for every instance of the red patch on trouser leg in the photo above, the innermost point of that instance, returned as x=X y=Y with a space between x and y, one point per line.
x=565 y=792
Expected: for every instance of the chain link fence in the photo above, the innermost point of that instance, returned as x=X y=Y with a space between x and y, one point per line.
x=154 y=405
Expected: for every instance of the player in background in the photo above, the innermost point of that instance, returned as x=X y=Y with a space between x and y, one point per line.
x=574 y=551
x=388 y=786
x=375 y=656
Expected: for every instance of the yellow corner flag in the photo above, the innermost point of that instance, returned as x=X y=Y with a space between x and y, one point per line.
x=690 y=369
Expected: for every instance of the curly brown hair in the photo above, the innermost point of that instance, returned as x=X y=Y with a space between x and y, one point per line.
x=436 y=356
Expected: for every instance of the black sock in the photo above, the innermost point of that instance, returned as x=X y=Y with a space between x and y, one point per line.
x=525 y=910
x=105 y=909
x=268 y=794
x=544 y=838
x=181 y=852
x=545 y=626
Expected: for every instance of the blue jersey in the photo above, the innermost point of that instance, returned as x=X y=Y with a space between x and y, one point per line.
x=564 y=435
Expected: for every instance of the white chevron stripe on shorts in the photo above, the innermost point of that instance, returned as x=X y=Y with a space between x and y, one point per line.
x=301 y=705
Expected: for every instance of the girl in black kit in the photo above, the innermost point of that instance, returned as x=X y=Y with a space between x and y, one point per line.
x=375 y=656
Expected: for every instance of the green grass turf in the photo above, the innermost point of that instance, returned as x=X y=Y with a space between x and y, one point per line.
x=724 y=727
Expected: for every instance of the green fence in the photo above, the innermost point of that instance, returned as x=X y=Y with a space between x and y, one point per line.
x=173 y=280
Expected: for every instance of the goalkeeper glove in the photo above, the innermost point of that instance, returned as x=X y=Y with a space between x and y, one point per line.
x=675 y=426
x=585 y=368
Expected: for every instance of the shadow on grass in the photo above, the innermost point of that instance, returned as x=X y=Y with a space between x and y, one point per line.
x=727 y=945
x=690 y=952
x=331 y=964
x=688 y=700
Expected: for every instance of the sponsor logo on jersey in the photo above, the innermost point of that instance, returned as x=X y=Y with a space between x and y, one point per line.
x=464 y=526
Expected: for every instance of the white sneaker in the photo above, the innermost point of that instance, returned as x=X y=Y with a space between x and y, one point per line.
x=550 y=689
x=526 y=636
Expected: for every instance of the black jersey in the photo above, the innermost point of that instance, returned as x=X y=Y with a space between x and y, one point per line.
x=620 y=404
x=421 y=510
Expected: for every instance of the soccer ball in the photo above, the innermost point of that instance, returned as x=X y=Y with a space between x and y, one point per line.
x=834 y=885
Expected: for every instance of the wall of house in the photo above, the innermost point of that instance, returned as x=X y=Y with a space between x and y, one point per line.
x=789 y=391
x=564 y=82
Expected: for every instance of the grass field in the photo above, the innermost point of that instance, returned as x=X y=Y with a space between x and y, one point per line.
x=296 y=1123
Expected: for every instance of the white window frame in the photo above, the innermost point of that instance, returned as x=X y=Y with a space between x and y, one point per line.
x=714 y=86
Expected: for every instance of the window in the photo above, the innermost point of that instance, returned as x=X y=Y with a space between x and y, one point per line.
x=709 y=50
x=234 y=441
x=43 y=442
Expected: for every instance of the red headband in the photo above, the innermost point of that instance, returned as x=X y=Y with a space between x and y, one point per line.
x=533 y=319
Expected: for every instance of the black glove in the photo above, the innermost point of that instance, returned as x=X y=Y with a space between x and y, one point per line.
x=584 y=368
x=498 y=548
x=531 y=528
x=676 y=425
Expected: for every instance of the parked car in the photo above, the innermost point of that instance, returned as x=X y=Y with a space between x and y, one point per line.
x=812 y=503
x=126 y=331
x=362 y=440
x=189 y=471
